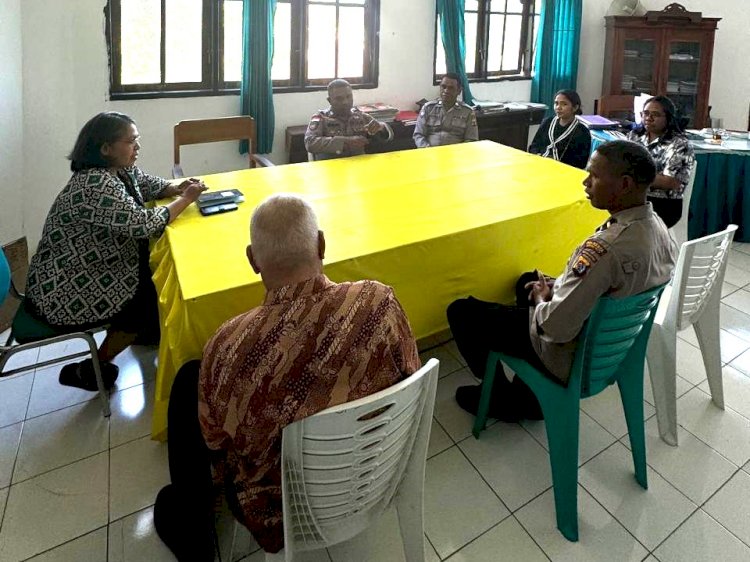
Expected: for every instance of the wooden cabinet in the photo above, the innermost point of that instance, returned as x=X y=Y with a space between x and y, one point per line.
x=662 y=53
x=506 y=127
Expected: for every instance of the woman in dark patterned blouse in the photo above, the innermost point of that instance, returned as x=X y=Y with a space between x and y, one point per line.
x=91 y=267
x=660 y=132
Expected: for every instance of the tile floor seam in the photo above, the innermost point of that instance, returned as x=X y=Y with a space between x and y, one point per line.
x=620 y=523
x=47 y=471
x=675 y=530
x=697 y=507
x=505 y=506
x=730 y=461
x=656 y=470
x=702 y=507
x=64 y=543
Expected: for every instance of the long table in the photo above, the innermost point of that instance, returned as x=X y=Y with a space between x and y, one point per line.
x=436 y=224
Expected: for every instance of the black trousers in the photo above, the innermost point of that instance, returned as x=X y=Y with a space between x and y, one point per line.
x=183 y=513
x=669 y=210
x=480 y=327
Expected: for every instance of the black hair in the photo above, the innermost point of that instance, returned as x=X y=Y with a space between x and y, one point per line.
x=106 y=127
x=453 y=76
x=630 y=159
x=674 y=126
x=573 y=98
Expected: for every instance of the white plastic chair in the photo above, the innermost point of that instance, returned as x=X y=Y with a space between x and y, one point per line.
x=692 y=298
x=679 y=230
x=343 y=467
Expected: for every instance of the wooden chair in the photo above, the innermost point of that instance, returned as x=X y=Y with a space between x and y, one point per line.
x=619 y=105
x=199 y=131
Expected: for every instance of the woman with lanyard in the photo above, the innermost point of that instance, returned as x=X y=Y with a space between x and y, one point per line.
x=661 y=133
x=563 y=137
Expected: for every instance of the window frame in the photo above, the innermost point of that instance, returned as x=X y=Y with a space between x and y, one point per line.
x=212 y=62
x=525 y=48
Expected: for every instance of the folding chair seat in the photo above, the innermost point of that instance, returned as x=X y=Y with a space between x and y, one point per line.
x=28 y=332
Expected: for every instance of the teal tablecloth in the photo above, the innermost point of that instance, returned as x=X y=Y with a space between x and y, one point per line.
x=721 y=192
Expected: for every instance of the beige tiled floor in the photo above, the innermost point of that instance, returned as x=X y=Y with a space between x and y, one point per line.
x=77 y=487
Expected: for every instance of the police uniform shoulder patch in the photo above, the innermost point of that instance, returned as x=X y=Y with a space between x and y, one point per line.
x=588 y=254
x=315 y=122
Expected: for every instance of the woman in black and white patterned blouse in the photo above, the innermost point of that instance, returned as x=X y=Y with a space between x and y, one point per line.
x=91 y=267
x=660 y=132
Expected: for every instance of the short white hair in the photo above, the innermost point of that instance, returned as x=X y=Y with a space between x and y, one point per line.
x=284 y=232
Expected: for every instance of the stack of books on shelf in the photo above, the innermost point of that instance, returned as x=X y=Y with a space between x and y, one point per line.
x=630 y=53
x=688 y=87
x=681 y=56
x=407 y=117
x=628 y=81
x=380 y=111
x=673 y=86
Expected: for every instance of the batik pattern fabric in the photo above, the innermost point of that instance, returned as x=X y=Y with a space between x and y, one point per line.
x=673 y=156
x=310 y=346
x=86 y=266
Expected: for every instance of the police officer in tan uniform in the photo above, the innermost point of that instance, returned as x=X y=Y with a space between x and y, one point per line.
x=342 y=129
x=630 y=253
x=446 y=120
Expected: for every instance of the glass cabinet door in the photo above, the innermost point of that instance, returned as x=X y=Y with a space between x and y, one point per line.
x=638 y=66
x=682 y=77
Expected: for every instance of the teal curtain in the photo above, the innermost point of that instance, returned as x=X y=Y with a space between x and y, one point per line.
x=558 y=42
x=451 y=14
x=256 y=93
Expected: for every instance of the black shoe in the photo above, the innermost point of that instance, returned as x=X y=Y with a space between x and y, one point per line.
x=182 y=526
x=468 y=398
x=81 y=375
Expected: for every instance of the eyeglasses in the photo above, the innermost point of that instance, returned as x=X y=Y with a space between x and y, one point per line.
x=654 y=114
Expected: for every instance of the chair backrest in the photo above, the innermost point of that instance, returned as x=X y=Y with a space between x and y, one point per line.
x=342 y=467
x=614 y=339
x=615 y=105
x=199 y=131
x=699 y=272
x=4 y=276
x=680 y=228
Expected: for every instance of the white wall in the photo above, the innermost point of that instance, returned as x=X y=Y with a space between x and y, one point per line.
x=65 y=82
x=11 y=122
x=730 y=78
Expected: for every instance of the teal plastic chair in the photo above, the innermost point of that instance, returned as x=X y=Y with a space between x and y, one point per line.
x=612 y=348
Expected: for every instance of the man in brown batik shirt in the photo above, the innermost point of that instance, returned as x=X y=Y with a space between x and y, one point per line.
x=311 y=345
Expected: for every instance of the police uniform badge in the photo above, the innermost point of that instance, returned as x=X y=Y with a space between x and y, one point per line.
x=315 y=123
x=588 y=254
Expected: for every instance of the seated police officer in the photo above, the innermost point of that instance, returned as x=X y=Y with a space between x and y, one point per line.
x=342 y=130
x=630 y=253
x=446 y=120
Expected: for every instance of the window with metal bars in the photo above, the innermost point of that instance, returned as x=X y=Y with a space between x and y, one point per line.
x=500 y=40
x=164 y=48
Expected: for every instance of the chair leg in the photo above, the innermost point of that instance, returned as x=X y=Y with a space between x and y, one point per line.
x=707 y=330
x=409 y=508
x=631 y=393
x=562 y=424
x=662 y=366
x=480 y=422
x=98 y=373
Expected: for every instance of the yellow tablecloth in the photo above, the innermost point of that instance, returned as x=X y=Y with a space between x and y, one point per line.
x=436 y=224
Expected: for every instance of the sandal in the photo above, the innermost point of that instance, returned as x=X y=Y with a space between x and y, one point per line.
x=81 y=375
